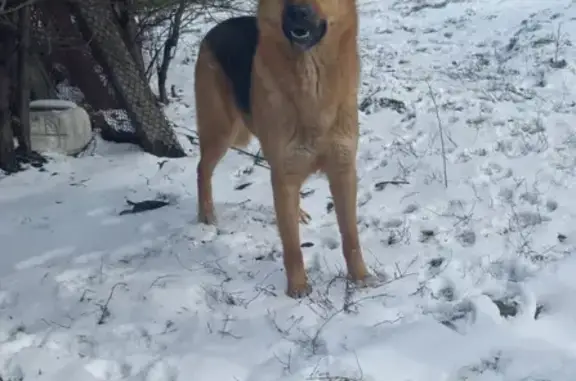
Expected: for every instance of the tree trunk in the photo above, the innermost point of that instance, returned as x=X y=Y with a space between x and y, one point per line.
x=8 y=160
x=23 y=107
x=96 y=22
x=169 y=49
x=127 y=24
x=76 y=58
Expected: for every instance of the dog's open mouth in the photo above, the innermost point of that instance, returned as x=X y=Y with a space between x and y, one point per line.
x=300 y=33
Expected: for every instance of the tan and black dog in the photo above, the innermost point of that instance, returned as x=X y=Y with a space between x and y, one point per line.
x=290 y=77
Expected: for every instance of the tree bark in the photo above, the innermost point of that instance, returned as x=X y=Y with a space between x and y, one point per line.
x=8 y=160
x=124 y=14
x=97 y=24
x=77 y=59
x=23 y=107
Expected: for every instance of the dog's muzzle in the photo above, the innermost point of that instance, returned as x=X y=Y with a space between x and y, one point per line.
x=302 y=26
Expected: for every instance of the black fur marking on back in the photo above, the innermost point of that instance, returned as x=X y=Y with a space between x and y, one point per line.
x=233 y=43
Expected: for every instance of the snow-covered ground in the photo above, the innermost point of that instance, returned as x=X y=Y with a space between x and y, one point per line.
x=479 y=279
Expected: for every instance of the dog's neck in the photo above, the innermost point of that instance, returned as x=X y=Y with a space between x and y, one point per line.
x=320 y=83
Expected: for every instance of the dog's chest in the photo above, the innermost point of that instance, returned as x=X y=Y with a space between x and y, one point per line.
x=308 y=78
x=306 y=98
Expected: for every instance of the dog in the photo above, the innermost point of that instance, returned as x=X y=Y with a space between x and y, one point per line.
x=289 y=76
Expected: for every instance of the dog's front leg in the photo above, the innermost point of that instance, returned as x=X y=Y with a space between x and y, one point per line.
x=286 y=188
x=341 y=173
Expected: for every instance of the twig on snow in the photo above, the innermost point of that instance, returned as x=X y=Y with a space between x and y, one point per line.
x=326 y=376
x=104 y=311
x=441 y=129
x=258 y=160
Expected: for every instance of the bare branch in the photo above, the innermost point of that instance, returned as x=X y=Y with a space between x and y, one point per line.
x=4 y=10
x=441 y=129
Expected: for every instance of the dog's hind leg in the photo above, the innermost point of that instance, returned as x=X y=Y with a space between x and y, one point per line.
x=218 y=124
x=210 y=155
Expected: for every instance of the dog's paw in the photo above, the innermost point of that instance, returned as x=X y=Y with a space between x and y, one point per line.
x=368 y=281
x=207 y=218
x=299 y=291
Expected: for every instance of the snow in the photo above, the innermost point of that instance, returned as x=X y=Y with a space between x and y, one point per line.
x=51 y=104
x=478 y=278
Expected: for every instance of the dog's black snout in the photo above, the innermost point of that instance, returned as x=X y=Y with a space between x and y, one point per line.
x=302 y=26
x=300 y=14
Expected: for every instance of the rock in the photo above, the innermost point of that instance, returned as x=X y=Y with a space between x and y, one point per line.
x=59 y=126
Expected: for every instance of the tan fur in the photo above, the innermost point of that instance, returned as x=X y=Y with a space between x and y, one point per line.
x=305 y=117
x=243 y=135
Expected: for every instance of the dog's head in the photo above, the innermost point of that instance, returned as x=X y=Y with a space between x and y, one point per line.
x=305 y=23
